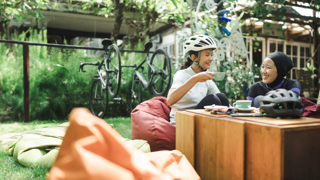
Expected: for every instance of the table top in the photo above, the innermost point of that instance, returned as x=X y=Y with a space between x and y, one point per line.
x=264 y=120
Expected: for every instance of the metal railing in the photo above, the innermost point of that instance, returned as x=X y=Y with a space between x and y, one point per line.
x=26 y=92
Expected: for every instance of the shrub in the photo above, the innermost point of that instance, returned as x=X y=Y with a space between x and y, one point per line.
x=56 y=85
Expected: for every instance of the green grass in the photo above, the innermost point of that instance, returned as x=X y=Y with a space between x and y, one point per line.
x=122 y=125
x=10 y=169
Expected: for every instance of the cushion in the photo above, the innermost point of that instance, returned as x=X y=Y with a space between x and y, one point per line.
x=311 y=109
x=150 y=122
x=92 y=150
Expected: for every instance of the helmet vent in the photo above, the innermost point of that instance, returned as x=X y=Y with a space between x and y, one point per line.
x=266 y=102
x=297 y=106
x=193 y=39
x=279 y=106
x=290 y=105
x=204 y=43
x=208 y=39
x=197 y=45
x=273 y=96
x=187 y=43
x=282 y=94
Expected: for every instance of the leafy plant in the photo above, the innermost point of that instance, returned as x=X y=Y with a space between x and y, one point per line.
x=312 y=69
x=17 y=10
x=56 y=85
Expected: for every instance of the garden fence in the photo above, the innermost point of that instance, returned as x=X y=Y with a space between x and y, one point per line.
x=26 y=98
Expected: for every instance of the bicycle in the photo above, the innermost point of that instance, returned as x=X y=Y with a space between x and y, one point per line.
x=158 y=77
x=107 y=81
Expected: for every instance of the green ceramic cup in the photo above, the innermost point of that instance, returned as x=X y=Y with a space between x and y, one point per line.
x=243 y=104
x=219 y=76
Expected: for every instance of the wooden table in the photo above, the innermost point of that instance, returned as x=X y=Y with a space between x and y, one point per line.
x=224 y=147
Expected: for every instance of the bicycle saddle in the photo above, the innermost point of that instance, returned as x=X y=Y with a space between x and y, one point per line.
x=106 y=42
x=147 y=46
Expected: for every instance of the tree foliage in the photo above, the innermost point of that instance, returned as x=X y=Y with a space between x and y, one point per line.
x=140 y=15
x=16 y=10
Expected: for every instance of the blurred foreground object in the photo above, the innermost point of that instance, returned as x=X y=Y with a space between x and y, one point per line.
x=91 y=149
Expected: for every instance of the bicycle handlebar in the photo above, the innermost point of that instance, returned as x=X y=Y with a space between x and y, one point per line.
x=82 y=64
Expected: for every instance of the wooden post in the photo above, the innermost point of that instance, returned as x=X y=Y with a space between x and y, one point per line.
x=26 y=82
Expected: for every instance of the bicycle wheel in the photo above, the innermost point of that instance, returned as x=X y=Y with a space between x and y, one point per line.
x=136 y=93
x=98 y=99
x=113 y=69
x=160 y=72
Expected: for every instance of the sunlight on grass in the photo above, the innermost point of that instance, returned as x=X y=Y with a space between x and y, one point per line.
x=122 y=125
x=10 y=169
x=15 y=127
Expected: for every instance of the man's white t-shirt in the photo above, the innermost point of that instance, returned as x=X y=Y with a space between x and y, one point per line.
x=191 y=99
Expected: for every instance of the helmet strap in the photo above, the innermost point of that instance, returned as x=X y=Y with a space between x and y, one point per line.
x=198 y=63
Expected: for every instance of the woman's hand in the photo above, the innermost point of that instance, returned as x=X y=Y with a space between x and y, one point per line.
x=204 y=76
x=175 y=95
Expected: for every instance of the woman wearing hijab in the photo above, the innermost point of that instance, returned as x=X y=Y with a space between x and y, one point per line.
x=273 y=70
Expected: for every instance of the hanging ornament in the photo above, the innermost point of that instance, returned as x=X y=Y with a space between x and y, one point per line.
x=224 y=19
x=220 y=55
x=210 y=4
x=237 y=50
x=223 y=12
x=243 y=51
x=218 y=32
x=185 y=4
x=206 y=33
x=225 y=44
x=217 y=42
x=214 y=55
x=236 y=40
x=225 y=30
x=234 y=24
x=227 y=87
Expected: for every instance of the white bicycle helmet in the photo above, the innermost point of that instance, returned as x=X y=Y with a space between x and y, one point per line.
x=198 y=43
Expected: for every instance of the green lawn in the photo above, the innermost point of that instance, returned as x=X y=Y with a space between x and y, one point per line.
x=10 y=169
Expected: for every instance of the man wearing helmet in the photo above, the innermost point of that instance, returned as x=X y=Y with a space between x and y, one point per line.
x=192 y=86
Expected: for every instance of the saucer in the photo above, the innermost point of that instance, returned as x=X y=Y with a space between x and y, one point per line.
x=209 y=108
x=246 y=109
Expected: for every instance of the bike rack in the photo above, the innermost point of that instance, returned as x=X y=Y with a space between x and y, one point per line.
x=26 y=94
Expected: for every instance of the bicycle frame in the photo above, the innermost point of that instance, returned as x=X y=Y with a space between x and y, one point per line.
x=144 y=82
x=99 y=64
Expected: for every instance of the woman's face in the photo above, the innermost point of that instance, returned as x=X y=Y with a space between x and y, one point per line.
x=268 y=71
x=206 y=58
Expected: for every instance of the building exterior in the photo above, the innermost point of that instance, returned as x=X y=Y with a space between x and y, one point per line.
x=71 y=23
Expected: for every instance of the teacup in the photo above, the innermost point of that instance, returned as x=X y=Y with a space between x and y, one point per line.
x=219 y=76
x=244 y=104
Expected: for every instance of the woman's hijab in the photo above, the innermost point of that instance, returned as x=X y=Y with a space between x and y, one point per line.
x=283 y=64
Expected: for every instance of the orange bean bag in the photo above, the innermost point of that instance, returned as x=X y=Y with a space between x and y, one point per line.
x=150 y=122
x=93 y=150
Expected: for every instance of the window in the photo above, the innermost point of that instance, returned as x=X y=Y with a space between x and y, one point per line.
x=170 y=53
x=298 y=52
x=255 y=47
x=180 y=53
